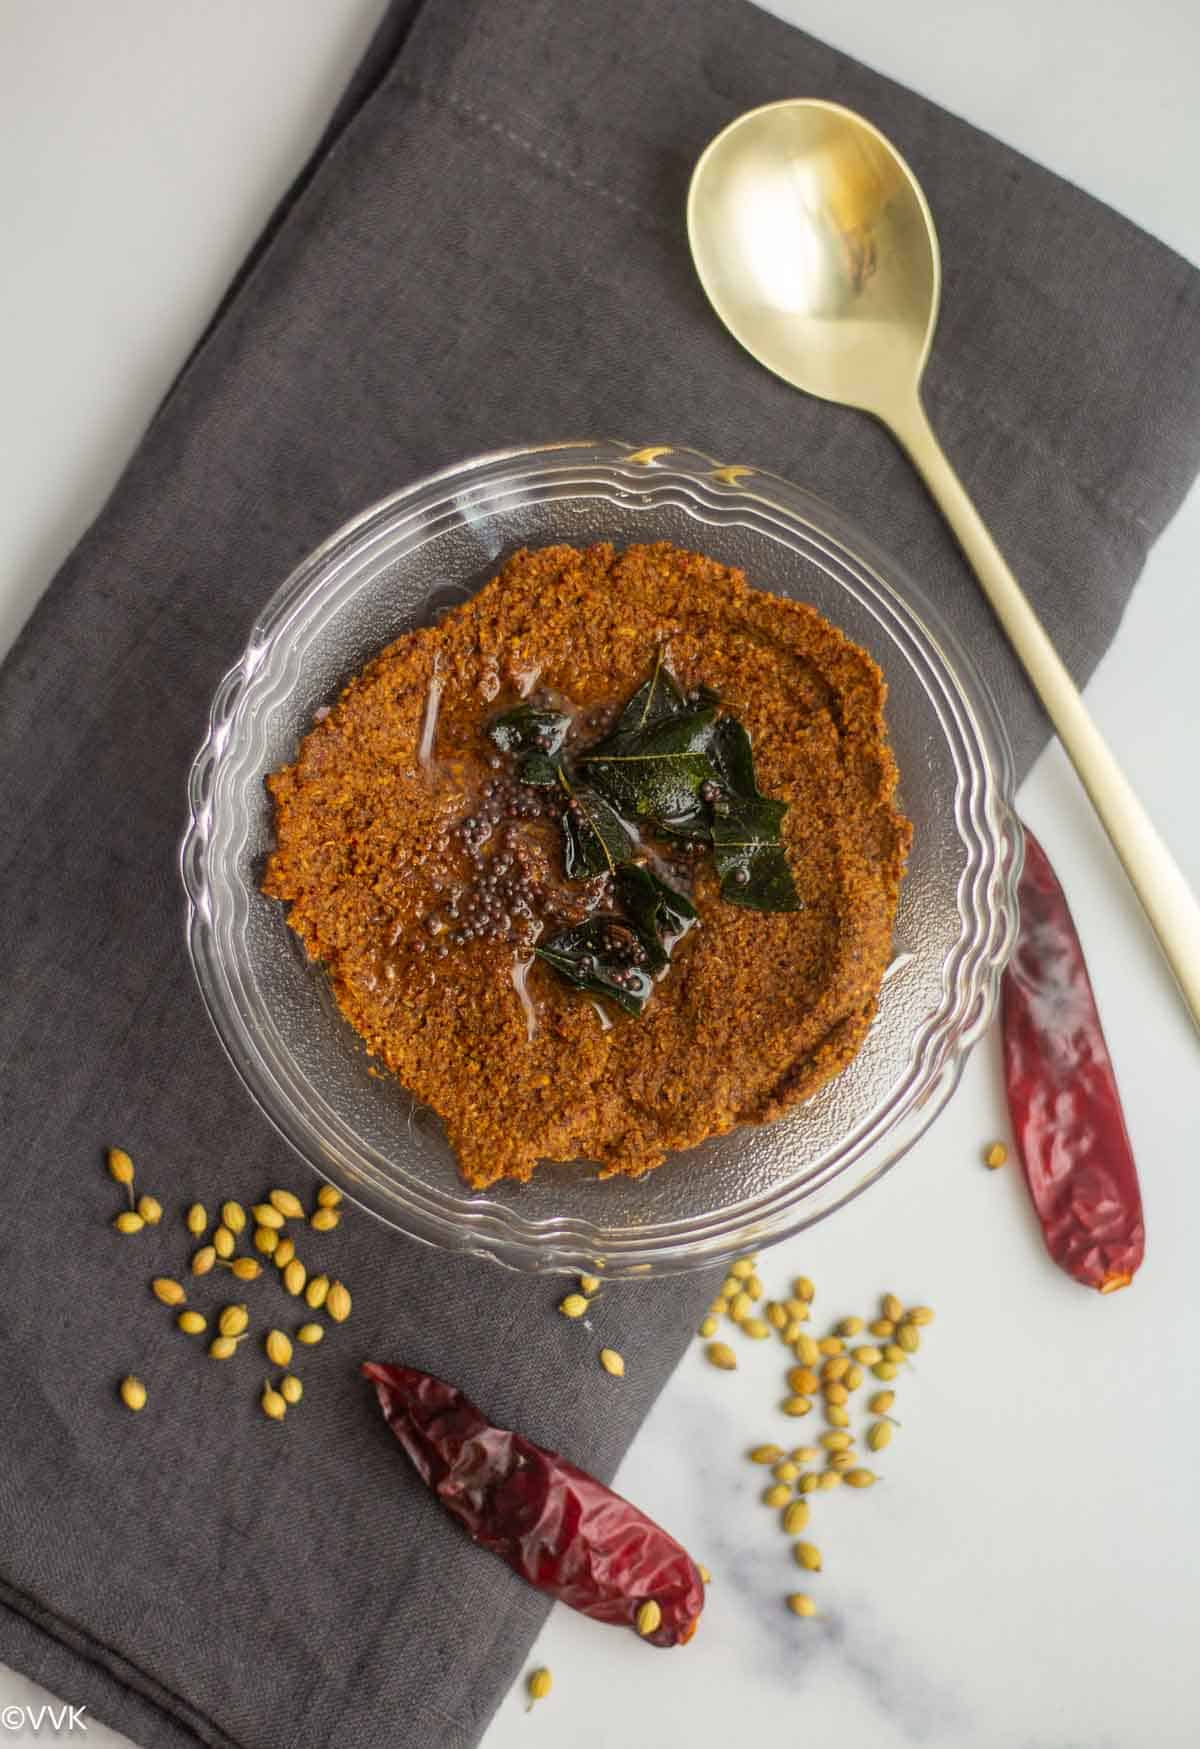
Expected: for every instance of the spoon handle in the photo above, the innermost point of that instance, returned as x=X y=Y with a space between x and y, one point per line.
x=1157 y=879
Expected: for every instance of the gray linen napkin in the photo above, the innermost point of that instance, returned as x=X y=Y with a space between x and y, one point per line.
x=487 y=249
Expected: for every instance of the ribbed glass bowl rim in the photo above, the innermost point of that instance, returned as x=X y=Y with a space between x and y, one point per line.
x=474 y=1223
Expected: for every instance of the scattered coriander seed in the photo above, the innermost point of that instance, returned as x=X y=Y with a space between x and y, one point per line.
x=741 y=1306
x=223 y=1347
x=996 y=1155
x=721 y=1355
x=329 y=1196
x=719 y=1306
x=233 y=1321
x=234 y=1216
x=294 y=1276
x=829 y=1479
x=835 y=1393
x=836 y=1367
x=267 y=1215
x=192 y=1323
x=919 y=1315
x=893 y=1352
x=224 y=1243
x=324 y=1220
x=836 y=1415
x=612 y=1362
x=881 y=1402
x=756 y=1328
x=168 y=1291
x=801 y=1604
x=837 y=1441
x=291 y=1389
x=891 y=1308
x=150 y=1210
x=133 y=1391
x=830 y=1345
x=908 y=1337
x=849 y=1327
x=203 y=1260
x=129 y=1222
x=742 y=1269
x=705 y=1575
x=887 y=1369
x=265 y=1240
x=273 y=1404
x=785 y=1470
x=797 y=1309
x=867 y=1355
x=796 y=1405
x=791 y=1332
x=120 y=1165
x=283 y=1253
x=882 y=1327
x=853 y=1377
x=840 y=1460
x=807 y=1555
x=795 y=1517
x=778 y=1494
x=316 y=1291
x=776 y=1315
x=574 y=1306
x=803 y=1288
x=196 y=1219
x=803 y=1380
x=310 y=1334
x=648 y=1618
x=731 y=1287
x=805 y=1454
x=245 y=1268
x=708 y=1326
x=538 y=1685
x=766 y=1454
x=288 y=1204
x=878 y=1435
x=278 y=1347
x=754 y=1287
x=808 y=1482
x=806 y=1351
x=589 y=1284
x=860 y=1478
x=338 y=1302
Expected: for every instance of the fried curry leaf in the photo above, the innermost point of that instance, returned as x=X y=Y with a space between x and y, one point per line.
x=540 y=769
x=655 y=773
x=660 y=914
x=592 y=956
x=528 y=729
x=594 y=840
x=655 y=701
x=747 y=843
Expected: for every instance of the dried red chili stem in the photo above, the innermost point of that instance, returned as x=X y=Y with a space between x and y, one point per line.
x=1062 y=1093
x=559 y=1528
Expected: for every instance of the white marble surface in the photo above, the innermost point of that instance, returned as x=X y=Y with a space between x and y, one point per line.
x=1027 y=1576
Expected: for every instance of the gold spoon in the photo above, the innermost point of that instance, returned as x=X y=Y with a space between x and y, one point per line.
x=817 y=249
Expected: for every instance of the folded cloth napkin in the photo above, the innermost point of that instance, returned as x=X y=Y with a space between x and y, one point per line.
x=488 y=248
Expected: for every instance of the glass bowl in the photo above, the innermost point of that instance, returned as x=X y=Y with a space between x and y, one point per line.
x=434 y=543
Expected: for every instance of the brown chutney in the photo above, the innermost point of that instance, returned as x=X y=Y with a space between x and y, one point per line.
x=755 y=1011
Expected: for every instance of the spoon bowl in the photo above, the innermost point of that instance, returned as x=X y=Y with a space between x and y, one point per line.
x=816 y=247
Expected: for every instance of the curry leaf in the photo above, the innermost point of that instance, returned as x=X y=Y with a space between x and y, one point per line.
x=655 y=701
x=594 y=840
x=528 y=729
x=655 y=773
x=539 y=769
x=594 y=956
x=660 y=914
x=749 y=855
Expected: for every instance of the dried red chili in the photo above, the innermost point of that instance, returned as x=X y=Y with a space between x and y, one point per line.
x=1062 y=1093
x=559 y=1528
